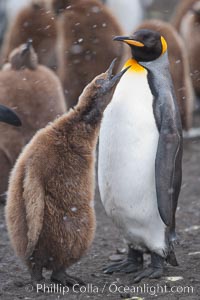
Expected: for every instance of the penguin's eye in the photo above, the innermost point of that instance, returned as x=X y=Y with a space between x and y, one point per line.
x=150 y=42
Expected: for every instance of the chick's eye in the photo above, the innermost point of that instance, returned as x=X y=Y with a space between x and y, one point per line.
x=100 y=81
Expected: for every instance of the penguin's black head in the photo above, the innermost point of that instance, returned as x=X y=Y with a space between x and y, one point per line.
x=26 y=48
x=146 y=45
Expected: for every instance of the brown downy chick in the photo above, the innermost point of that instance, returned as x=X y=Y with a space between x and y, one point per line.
x=179 y=67
x=38 y=23
x=85 y=45
x=50 y=211
x=190 y=31
x=23 y=57
x=181 y=9
x=36 y=94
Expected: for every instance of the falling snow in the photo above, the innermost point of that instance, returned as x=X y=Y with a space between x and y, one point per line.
x=95 y=9
x=74 y=209
x=65 y=218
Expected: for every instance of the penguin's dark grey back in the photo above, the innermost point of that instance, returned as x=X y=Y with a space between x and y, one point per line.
x=160 y=81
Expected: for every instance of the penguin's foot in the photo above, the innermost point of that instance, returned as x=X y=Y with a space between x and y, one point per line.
x=132 y=264
x=62 y=277
x=148 y=273
x=126 y=266
x=155 y=270
x=36 y=277
x=36 y=273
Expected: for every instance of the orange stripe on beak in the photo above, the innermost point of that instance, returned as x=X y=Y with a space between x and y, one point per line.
x=134 y=43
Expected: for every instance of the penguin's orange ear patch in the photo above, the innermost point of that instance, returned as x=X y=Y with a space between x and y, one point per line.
x=164 y=44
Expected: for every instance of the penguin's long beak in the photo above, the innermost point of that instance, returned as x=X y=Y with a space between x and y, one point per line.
x=27 y=47
x=8 y=116
x=128 y=40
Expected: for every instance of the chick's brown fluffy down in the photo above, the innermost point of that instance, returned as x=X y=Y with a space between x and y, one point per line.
x=49 y=213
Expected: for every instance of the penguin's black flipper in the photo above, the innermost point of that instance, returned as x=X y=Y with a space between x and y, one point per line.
x=168 y=166
x=8 y=116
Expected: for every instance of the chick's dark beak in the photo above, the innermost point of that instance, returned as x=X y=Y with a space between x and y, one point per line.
x=128 y=40
x=27 y=47
x=8 y=116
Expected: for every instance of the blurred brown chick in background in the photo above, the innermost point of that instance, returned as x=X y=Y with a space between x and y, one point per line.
x=36 y=22
x=36 y=94
x=85 y=46
x=180 y=10
x=187 y=21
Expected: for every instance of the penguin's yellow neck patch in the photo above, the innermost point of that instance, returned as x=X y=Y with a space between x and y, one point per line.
x=135 y=66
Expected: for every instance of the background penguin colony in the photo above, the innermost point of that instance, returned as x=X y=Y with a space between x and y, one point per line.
x=36 y=94
x=85 y=46
x=35 y=22
x=69 y=36
x=74 y=38
x=82 y=30
x=187 y=22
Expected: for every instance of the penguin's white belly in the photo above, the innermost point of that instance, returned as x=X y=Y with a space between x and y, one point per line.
x=127 y=152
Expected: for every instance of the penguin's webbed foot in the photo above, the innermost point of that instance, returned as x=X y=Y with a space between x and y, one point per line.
x=133 y=263
x=37 y=278
x=36 y=272
x=154 y=271
x=125 y=266
x=62 y=277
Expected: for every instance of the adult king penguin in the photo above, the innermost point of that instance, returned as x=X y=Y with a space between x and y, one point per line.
x=140 y=157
